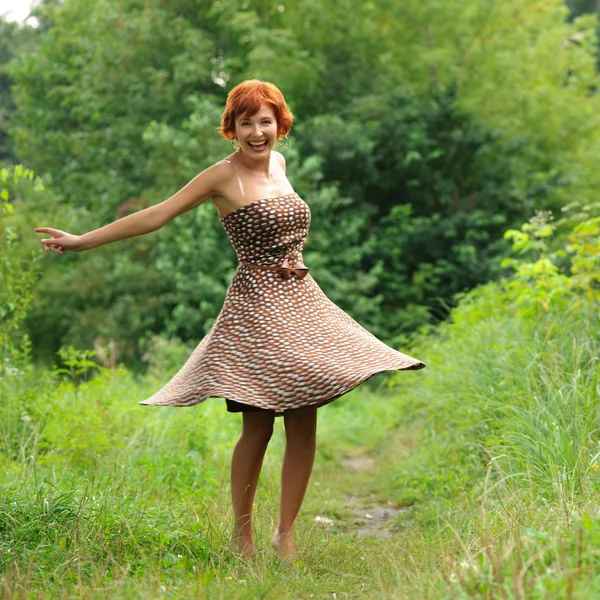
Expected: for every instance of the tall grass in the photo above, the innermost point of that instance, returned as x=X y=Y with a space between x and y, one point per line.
x=102 y=497
x=504 y=482
x=491 y=451
x=493 y=454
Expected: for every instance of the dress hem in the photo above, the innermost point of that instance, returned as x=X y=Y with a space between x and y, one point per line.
x=418 y=365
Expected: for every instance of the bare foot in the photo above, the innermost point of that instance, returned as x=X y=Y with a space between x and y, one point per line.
x=242 y=547
x=285 y=544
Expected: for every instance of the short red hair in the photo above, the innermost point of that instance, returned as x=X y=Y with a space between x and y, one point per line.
x=246 y=98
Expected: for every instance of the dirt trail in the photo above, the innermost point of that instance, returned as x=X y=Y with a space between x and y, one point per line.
x=371 y=518
x=364 y=514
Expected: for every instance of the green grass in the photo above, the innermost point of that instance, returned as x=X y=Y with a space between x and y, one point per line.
x=491 y=453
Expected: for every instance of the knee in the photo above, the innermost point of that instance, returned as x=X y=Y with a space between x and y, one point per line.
x=306 y=435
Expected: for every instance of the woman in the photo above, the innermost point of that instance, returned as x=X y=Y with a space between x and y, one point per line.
x=279 y=346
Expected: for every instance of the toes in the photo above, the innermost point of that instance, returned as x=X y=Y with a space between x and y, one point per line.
x=244 y=549
x=285 y=546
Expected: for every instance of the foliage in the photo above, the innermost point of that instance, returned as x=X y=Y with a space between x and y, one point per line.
x=522 y=388
x=540 y=282
x=431 y=200
x=414 y=153
x=523 y=70
x=15 y=40
x=164 y=356
x=492 y=452
x=19 y=271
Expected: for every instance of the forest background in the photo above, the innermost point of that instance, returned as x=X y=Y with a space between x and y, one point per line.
x=416 y=153
x=449 y=154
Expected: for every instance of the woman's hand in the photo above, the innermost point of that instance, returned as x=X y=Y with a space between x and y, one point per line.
x=60 y=241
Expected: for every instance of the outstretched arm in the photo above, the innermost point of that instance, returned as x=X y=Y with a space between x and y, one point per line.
x=197 y=191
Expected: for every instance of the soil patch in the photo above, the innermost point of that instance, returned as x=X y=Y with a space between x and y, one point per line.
x=368 y=517
x=362 y=463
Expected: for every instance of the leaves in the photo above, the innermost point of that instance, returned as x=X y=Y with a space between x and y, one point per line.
x=19 y=270
x=423 y=132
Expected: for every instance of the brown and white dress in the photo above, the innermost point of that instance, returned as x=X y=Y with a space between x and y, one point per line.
x=279 y=342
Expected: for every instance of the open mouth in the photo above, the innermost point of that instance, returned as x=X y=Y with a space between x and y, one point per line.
x=258 y=145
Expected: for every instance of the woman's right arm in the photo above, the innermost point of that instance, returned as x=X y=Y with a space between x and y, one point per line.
x=197 y=191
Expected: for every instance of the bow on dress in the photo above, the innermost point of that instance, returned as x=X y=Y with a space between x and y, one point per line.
x=286 y=269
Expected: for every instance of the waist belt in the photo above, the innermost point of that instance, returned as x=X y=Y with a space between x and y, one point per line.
x=285 y=269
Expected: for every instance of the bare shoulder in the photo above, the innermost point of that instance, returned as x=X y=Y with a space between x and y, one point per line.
x=280 y=158
x=219 y=174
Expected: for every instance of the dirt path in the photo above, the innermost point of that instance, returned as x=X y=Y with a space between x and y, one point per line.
x=363 y=511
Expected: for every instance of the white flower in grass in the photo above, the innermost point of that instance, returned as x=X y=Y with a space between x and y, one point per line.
x=468 y=565
x=324 y=520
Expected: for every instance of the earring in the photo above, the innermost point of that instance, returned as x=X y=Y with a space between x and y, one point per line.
x=234 y=145
x=285 y=137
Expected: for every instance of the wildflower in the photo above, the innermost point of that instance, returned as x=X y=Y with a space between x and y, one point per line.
x=324 y=520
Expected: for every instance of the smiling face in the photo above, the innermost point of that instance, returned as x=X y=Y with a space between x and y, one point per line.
x=257 y=134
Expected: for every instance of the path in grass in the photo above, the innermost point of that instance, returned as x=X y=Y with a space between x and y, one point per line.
x=346 y=496
x=364 y=511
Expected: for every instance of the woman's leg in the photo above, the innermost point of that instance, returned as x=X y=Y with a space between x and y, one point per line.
x=246 y=463
x=301 y=433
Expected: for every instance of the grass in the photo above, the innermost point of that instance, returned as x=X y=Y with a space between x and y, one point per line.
x=491 y=454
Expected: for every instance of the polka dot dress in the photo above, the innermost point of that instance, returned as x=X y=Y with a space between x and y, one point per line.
x=278 y=343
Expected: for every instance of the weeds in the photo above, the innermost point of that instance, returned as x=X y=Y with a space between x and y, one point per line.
x=493 y=454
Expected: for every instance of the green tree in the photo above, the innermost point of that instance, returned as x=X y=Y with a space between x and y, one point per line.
x=19 y=267
x=423 y=130
x=15 y=40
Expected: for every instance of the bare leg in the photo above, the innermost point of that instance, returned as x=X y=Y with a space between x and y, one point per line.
x=246 y=464
x=298 y=460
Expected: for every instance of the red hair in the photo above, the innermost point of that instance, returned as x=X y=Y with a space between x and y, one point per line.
x=246 y=98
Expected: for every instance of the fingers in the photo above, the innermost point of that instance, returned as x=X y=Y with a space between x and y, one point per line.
x=52 y=245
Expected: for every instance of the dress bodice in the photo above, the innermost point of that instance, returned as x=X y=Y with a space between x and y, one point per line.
x=269 y=230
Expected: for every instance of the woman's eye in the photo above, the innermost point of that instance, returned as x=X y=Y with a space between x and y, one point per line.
x=246 y=123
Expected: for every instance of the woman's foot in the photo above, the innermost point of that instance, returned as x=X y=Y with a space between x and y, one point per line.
x=242 y=547
x=285 y=544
